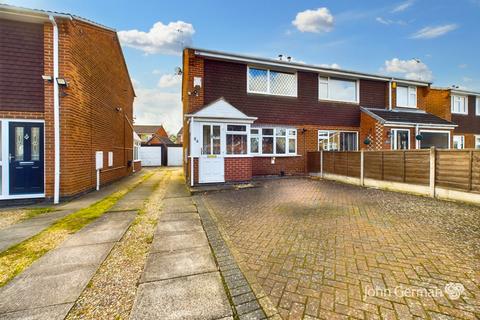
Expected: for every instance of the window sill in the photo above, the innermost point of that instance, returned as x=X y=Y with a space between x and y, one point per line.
x=460 y=113
x=272 y=94
x=339 y=101
x=275 y=155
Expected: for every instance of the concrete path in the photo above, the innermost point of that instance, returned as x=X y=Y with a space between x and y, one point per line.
x=181 y=279
x=51 y=285
x=25 y=229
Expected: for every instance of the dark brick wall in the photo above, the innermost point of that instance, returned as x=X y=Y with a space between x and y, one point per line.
x=467 y=123
x=21 y=66
x=229 y=80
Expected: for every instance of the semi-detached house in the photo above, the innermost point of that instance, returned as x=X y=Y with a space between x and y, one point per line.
x=246 y=116
x=65 y=100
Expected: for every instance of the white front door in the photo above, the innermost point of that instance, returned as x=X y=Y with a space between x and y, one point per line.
x=211 y=166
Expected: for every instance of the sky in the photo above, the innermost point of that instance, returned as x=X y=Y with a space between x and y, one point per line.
x=437 y=41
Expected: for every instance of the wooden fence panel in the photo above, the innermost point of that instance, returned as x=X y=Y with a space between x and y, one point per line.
x=373 y=165
x=476 y=171
x=393 y=166
x=313 y=162
x=328 y=162
x=417 y=167
x=341 y=165
x=453 y=169
x=354 y=164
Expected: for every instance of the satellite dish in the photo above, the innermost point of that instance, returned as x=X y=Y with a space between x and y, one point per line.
x=178 y=71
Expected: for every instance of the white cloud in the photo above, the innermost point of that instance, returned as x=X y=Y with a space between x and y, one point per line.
x=411 y=69
x=169 y=80
x=316 y=21
x=462 y=65
x=433 y=32
x=403 y=6
x=387 y=22
x=155 y=106
x=161 y=38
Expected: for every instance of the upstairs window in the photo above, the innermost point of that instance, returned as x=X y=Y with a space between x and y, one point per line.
x=406 y=96
x=460 y=104
x=337 y=89
x=271 y=82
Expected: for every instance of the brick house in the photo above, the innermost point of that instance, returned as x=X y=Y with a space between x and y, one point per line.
x=147 y=132
x=65 y=97
x=462 y=108
x=246 y=116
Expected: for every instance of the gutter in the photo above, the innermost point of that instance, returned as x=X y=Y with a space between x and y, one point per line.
x=56 y=115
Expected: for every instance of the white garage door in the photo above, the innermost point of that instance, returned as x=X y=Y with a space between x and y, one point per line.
x=175 y=156
x=151 y=156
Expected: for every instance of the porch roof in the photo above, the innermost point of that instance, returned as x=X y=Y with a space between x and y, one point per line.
x=220 y=109
x=407 y=116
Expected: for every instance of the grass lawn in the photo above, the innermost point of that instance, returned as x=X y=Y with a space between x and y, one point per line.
x=17 y=258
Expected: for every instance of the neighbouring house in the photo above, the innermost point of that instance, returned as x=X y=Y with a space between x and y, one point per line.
x=180 y=136
x=462 y=108
x=246 y=116
x=157 y=148
x=146 y=132
x=66 y=109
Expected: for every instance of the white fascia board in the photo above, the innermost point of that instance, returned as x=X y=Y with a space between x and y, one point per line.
x=465 y=93
x=221 y=119
x=420 y=125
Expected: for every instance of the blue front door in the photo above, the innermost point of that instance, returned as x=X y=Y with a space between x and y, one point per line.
x=26 y=158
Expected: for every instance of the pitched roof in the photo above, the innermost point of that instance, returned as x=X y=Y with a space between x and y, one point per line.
x=150 y=129
x=156 y=140
x=406 y=116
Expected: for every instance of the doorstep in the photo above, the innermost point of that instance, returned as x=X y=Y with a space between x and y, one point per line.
x=217 y=187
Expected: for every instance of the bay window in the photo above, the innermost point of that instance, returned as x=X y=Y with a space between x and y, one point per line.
x=329 y=140
x=273 y=141
x=237 y=139
x=460 y=104
x=337 y=89
x=271 y=82
x=407 y=96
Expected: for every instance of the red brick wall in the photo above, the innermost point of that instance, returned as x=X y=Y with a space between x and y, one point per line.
x=238 y=169
x=92 y=62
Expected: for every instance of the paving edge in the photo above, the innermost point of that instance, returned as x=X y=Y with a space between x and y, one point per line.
x=248 y=298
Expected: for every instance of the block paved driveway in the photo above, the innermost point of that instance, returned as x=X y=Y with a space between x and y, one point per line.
x=327 y=250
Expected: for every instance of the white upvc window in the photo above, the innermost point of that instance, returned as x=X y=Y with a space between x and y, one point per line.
x=237 y=139
x=400 y=139
x=332 y=140
x=477 y=106
x=477 y=142
x=335 y=89
x=273 y=141
x=272 y=82
x=136 y=150
x=458 y=142
x=460 y=104
x=407 y=96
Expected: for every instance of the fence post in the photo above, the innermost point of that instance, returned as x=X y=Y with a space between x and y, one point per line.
x=362 y=168
x=470 y=171
x=432 y=171
x=321 y=163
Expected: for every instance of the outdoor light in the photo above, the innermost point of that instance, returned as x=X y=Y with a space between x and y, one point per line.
x=62 y=82
x=118 y=109
x=47 y=78
x=394 y=85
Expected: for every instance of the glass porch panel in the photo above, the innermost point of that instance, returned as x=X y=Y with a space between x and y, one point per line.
x=434 y=139
x=402 y=140
x=216 y=141
x=207 y=143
